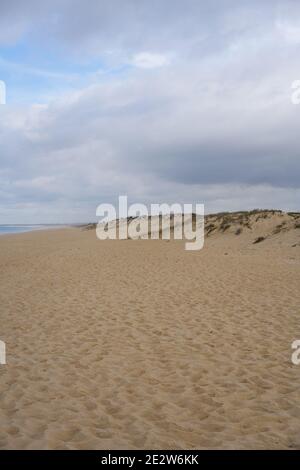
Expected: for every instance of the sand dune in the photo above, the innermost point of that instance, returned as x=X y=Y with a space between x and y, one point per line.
x=141 y=344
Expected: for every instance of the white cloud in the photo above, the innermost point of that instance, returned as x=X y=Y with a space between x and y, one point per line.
x=289 y=30
x=147 y=60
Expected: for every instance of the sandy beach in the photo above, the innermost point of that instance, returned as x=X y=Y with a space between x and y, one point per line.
x=138 y=344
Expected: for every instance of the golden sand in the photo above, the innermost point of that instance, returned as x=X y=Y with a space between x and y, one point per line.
x=141 y=344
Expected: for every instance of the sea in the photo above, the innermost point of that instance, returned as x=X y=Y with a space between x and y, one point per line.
x=6 y=229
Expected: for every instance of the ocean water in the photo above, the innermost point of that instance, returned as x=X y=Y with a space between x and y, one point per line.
x=6 y=229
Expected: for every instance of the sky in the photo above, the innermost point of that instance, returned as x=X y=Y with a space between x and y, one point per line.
x=163 y=101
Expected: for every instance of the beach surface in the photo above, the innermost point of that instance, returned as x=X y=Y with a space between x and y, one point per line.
x=138 y=344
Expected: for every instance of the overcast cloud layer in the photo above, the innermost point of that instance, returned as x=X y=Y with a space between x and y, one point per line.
x=166 y=101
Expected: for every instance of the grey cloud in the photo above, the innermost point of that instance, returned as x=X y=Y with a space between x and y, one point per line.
x=98 y=26
x=217 y=119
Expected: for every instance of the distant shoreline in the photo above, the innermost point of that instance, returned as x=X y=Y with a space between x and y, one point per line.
x=15 y=229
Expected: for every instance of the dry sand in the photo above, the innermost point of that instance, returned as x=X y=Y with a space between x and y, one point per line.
x=141 y=344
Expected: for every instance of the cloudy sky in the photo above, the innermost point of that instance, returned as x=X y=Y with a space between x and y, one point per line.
x=162 y=100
